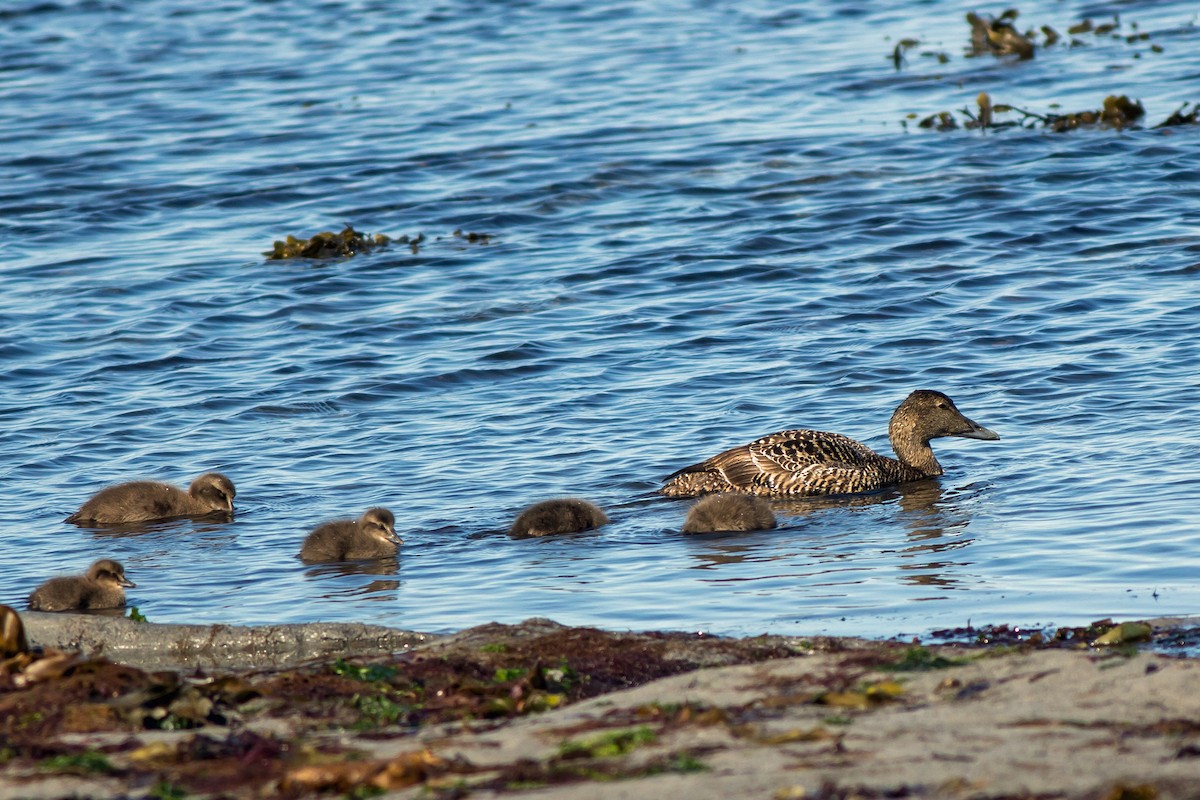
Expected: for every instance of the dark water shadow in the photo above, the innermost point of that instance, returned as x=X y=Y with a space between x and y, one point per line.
x=374 y=566
x=209 y=524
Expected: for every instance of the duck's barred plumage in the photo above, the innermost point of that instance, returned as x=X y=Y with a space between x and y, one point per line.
x=802 y=462
x=794 y=463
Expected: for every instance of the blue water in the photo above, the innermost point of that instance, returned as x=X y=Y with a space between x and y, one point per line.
x=709 y=221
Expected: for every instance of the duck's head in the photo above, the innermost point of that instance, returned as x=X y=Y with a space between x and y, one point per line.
x=215 y=490
x=927 y=414
x=381 y=523
x=108 y=571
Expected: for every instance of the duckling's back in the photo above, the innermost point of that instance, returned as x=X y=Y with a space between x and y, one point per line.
x=139 y=501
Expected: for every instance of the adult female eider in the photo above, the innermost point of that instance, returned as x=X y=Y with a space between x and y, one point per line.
x=373 y=535
x=799 y=463
x=102 y=587
x=144 y=501
x=564 y=515
x=729 y=512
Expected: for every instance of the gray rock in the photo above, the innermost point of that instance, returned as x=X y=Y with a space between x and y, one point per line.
x=159 y=646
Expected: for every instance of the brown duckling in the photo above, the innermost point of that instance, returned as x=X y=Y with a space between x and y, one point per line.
x=143 y=501
x=729 y=512
x=799 y=463
x=373 y=535
x=102 y=587
x=565 y=515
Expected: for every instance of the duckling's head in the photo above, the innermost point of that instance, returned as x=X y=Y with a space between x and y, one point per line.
x=380 y=523
x=926 y=414
x=108 y=571
x=214 y=490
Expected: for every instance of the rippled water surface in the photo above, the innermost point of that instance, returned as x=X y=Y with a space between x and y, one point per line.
x=708 y=221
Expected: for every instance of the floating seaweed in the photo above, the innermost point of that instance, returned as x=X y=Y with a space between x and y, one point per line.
x=327 y=244
x=943 y=121
x=1117 y=112
x=901 y=48
x=998 y=36
x=1182 y=116
x=473 y=238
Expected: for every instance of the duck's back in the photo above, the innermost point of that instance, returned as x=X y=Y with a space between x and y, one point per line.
x=729 y=512
x=343 y=540
x=139 y=501
x=551 y=517
x=791 y=463
x=62 y=594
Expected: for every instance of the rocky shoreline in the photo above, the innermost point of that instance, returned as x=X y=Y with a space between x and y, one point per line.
x=542 y=710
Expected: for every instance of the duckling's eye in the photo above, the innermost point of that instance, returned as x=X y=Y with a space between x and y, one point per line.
x=942 y=405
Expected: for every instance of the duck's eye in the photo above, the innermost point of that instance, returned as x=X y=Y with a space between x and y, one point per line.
x=942 y=405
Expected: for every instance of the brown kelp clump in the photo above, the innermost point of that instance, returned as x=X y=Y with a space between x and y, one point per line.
x=1182 y=116
x=1117 y=112
x=327 y=244
x=998 y=36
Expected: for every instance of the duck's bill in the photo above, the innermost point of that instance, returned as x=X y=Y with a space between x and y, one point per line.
x=128 y=584
x=977 y=431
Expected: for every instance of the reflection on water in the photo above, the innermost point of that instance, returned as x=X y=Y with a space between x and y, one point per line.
x=205 y=526
x=375 y=566
x=341 y=580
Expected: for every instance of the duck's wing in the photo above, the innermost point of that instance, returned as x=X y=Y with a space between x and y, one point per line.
x=799 y=462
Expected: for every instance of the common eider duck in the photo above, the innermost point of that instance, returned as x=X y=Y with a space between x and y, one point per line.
x=798 y=463
x=143 y=501
x=564 y=515
x=729 y=512
x=373 y=535
x=103 y=586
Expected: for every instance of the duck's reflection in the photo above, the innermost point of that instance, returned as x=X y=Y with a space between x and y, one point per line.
x=333 y=575
x=208 y=525
x=374 y=566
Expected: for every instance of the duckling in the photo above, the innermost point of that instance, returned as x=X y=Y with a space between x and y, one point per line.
x=729 y=512
x=373 y=535
x=565 y=515
x=799 y=463
x=103 y=586
x=143 y=501
x=12 y=633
